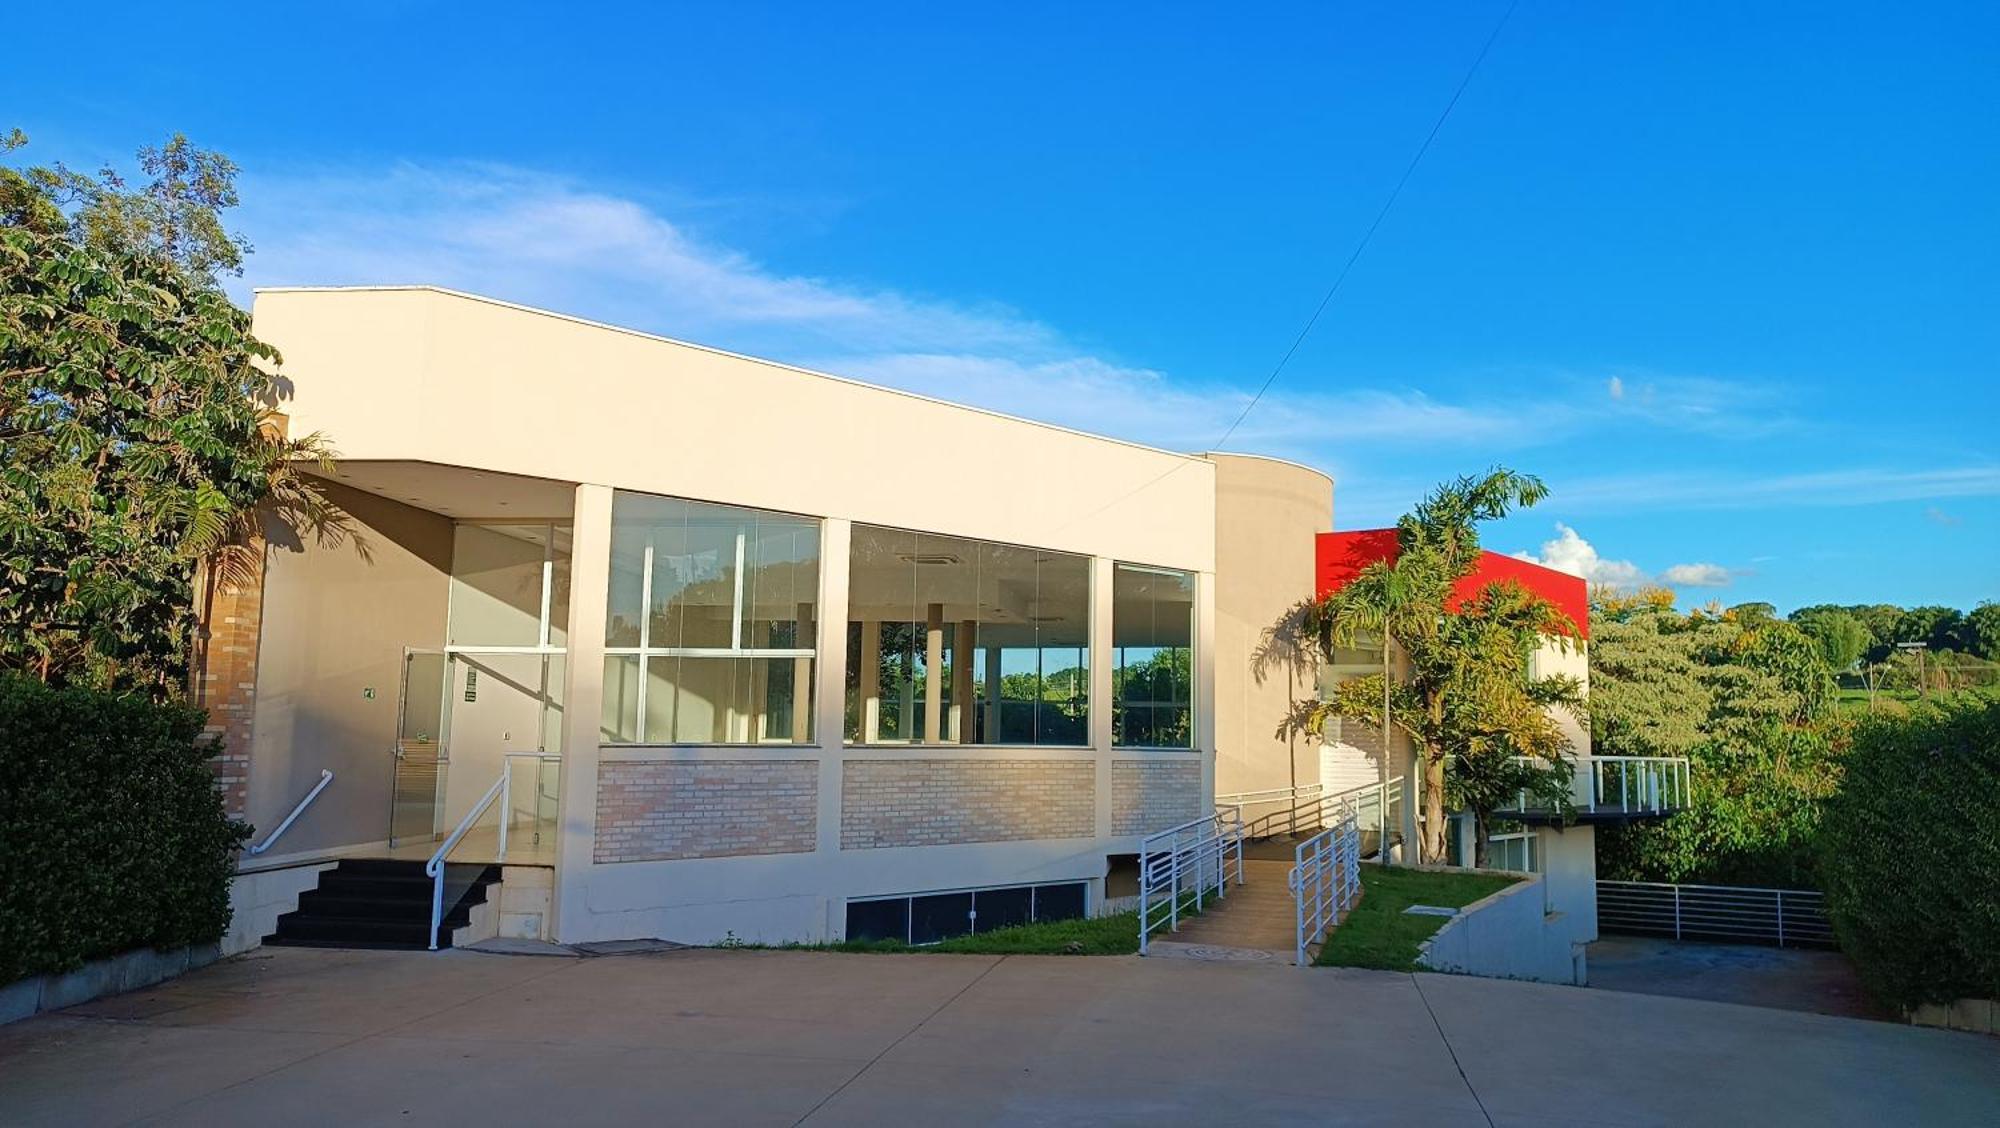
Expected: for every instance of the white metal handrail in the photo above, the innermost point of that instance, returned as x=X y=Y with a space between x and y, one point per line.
x=325 y=777
x=434 y=869
x=1650 y=785
x=1197 y=857
x=1325 y=881
x=1314 y=811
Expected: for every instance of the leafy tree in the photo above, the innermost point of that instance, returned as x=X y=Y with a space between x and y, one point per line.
x=1935 y=627
x=1464 y=693
x=1841 y=637
x=1751 y=706
x=1982 y=629
x=140 y=450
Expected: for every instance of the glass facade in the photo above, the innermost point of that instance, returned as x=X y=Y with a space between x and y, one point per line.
x=711 y=626
x=959 y=641
x=1152 y=649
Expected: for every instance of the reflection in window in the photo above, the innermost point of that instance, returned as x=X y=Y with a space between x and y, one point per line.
x=957 y=641
x=709 y=637
x=1152 y=648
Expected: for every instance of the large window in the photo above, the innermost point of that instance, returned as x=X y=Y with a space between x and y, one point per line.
x=956 y=641
x=1152 y=645
x=709 y=638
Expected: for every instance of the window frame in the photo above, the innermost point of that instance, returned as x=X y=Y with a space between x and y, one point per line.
x=803 y=696
x=1114 y=654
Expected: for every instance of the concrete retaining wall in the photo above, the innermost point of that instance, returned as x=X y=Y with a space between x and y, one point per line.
x=1508 y=935
x=256 y=900
x=1981 y=1016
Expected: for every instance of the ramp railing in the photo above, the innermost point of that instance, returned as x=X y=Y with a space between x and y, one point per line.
x=1188 y=864
x=1325 y=881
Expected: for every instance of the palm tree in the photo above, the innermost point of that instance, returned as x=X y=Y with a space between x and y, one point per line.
x=1464 y=695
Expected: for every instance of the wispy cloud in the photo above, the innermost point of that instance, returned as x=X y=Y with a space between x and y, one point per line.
x=1854 y=486
x=1569 y=552
x=553 y=242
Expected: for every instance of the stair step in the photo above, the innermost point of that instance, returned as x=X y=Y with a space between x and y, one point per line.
x=416 y=932
x=344 y=903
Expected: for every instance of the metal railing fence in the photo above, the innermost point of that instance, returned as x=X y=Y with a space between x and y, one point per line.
x=1786 y=918
x=1325 y=881
x=1650 y=785
x=1194 y=861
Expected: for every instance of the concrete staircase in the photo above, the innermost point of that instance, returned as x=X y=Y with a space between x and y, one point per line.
x=381 y=903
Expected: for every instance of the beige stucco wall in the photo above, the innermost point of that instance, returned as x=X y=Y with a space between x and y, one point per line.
x=1266 y=515
x=335 y=624
x=418 y=373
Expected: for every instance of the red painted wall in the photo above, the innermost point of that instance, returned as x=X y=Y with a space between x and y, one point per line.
x=1339 y=557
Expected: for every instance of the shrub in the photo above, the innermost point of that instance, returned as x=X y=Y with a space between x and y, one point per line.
x=114 y=837
x=1910 y=853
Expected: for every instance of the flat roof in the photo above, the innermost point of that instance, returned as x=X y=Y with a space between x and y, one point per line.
x=767 y=362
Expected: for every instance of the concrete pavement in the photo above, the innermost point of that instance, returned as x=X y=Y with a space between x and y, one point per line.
x=752 y=1037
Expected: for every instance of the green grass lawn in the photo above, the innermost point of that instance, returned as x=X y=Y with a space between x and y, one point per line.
x=1378 y=934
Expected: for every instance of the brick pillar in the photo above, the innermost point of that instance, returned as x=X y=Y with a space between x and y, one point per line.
x=225 y=681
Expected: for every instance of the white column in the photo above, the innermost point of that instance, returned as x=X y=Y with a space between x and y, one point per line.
x=934 y=673
x=1102 y=571
x=583 y=697
x=830 y=697
x=1203 y=672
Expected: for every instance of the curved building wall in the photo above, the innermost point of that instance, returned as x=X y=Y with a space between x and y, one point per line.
x=1267 y=514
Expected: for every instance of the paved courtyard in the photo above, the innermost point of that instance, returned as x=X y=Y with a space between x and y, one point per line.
x=780 y=1038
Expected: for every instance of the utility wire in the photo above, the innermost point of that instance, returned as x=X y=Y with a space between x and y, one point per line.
x=1345 y=269
x=1368 y=235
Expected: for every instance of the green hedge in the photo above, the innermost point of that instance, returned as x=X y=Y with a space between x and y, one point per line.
x=1910 y=853
x=112 y=835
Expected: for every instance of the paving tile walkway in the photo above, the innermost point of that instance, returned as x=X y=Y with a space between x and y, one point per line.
x=1255 y=916
x=704 y=1036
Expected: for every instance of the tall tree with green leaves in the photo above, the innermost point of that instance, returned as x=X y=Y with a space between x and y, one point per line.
x=141 y=453
x=1750 y=703
x=1483 y=727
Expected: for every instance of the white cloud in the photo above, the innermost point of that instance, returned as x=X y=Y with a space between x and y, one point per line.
x=1697 y=575
x=1569 y=552
x=551 y=242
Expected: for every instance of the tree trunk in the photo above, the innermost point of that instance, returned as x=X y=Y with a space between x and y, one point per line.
x=1434 y=822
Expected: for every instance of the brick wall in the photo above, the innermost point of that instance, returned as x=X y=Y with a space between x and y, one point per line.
x=1150 y=795
x=657 y=810
x=226 y=682
x=939 y=802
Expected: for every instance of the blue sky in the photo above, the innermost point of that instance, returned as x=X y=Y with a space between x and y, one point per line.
x=1721 y=273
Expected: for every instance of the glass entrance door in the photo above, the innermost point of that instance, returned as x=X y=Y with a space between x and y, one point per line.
x=422 y=715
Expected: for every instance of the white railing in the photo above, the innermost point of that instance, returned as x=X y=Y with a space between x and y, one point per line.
x=325 y=777
x=1619 y=785
x=434 y=869
x=1325 y=881
x=1376 y=806
x=1259 y=806
x=1197 y=858
x=1727 y=913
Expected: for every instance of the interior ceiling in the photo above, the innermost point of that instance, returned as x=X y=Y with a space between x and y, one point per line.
x=459 y=491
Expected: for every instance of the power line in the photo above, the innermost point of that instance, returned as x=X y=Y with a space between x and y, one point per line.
x=1368 y=235
x=1340 y=278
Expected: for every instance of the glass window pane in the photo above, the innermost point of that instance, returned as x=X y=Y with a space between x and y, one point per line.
x=1152 y=639
x=619 y=721
x=725 y=589
x=957 y=641
x=496 y=585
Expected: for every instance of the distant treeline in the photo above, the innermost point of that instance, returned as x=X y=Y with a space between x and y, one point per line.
x=1869 y=633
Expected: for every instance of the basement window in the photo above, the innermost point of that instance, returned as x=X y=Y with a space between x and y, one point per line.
x=930 y=918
